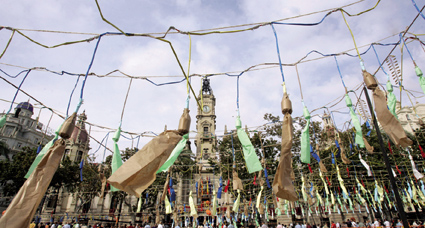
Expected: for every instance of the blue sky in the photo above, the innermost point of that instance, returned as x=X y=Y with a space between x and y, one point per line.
x=149 y=107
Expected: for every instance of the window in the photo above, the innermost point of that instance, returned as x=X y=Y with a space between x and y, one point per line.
x=205 y=130
x=79 y=156
x=65 y=154
x=205 y=154
x=8 y=131
x=19 y=145
x=51 y=202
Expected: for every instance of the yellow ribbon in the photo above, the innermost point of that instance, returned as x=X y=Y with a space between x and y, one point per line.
x=192 y=205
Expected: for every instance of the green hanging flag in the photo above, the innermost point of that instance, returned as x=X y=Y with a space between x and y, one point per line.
x=116 y=158
x=391 y=99
x=42 y=153
x=174 y=154
x=305 y=138
x=419 y=74
x=252 y=162
x=3 y=120
x=355 y=121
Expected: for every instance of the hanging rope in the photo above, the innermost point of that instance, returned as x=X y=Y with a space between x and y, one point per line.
x=125 y=101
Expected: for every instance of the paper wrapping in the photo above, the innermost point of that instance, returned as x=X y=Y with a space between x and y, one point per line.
x=369 y=148
x=168 y=209
x=214 y=208
x=174 y=154
x=25 y=203
x=258 y=202
x=322 y=167
x=42 y=153
x=252 y=162
x=416 y=173
x=245 y=209
x=324 y=183
x=237 y=182
x=282 y=183
x=165 y=188
x=387 y=120
x=369 y=172
x=139 y=205
x=139 y=172
x=235 y=207
x=303 y=189
x=305 y=139
x=193 y=211
x=343 y=156
x=103 y=181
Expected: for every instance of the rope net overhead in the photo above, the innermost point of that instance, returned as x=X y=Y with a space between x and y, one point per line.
x=254 y=172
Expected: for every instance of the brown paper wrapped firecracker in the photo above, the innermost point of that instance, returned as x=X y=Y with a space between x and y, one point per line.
x=139 y=172
x=282 y=183
x=24 y=205
x=389 y=123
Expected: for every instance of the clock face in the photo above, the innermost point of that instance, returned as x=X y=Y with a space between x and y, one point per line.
x=206 y=108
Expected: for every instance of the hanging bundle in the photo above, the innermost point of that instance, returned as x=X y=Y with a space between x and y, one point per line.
x=168 y=209
x=42 y=153
x=355 y=121
x=237 y=202
x=389 y=123
x=369 y=148
x=214 y=207
x=421 y=78
x=282 y=183
x=391 y=99
x=21 y=210
x=252 y=162
x=116 y=159
x=174 y=154
x=305 y=138
x=103 y=181
x=139 y=172
x=192 y=205
x=237 y=182
x=340 y=146
x=416 y=173
x=369 y=172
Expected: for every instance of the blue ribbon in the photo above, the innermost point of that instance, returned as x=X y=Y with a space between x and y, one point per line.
x=267 y=178
x=81 y=169
x=339 y=149
x=220 y=188
x=172 y=192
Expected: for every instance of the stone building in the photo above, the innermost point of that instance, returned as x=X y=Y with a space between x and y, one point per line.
x=409 y=116
x=21 y=130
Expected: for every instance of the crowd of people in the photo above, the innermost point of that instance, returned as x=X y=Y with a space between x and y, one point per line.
x=349 y=223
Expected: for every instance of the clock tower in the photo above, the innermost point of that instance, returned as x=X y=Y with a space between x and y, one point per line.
x=206 y=140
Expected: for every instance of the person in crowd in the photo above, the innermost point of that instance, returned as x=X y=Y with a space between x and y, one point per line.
x=298 y=225
x=308 y=225
x=387 y=224
x=337 y=225
x=348 y=223
x=361 y=224
x=279 y=226
x=353 y=222
x=376 y=224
